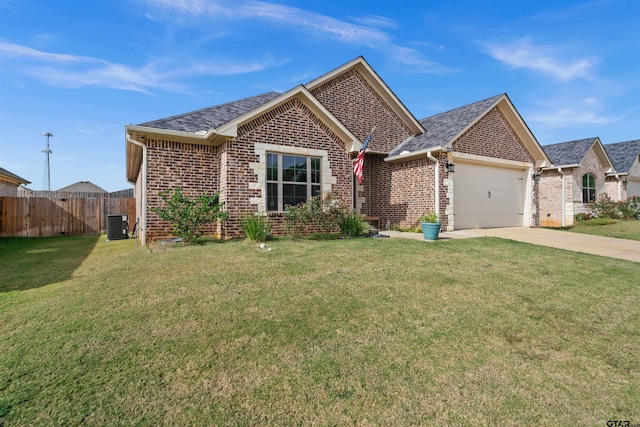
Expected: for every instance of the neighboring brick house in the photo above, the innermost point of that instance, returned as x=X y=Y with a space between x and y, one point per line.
x=581 y=173
x=626 y=160
x=9 y=183
x=265 y=152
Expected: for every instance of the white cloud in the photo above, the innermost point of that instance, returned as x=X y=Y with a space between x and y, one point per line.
x=68 y=70
x=544 y=59
x=376 y=21
x=307 y=22
x=587 y=112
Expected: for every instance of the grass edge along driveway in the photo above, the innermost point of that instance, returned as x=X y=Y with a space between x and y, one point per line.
x=361 y=331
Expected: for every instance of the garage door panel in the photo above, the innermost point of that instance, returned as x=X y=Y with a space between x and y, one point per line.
x=488 y=196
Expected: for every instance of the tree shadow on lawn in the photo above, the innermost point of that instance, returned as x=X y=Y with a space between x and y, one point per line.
x=33 y=262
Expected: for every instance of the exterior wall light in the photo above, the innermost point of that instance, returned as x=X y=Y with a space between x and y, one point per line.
x=451 y=168
x=536 y=177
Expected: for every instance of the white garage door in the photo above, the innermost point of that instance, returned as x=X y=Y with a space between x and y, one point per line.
x=633 y=189
x=487 y=196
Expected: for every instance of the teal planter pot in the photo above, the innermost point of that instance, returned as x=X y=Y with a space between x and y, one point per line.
x=431 y=230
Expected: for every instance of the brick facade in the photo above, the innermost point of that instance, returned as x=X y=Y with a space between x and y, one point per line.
x=232 y=167
x=8 y=189
x=551 y=199
x=358 y=106
x=398 y=193
x=492 y=136
x=173 y=164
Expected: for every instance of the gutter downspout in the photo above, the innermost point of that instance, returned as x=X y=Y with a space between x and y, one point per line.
x=143 y=226
x=437 y=182
x=564 y=198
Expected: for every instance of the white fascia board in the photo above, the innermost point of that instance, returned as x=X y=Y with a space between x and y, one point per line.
x=414 y=154
x=173 y=135
x=556 y=167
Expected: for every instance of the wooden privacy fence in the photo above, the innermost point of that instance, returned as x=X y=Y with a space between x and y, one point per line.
x=43 y=216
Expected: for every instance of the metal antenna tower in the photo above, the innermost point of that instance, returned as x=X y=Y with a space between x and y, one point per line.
x=47 y=151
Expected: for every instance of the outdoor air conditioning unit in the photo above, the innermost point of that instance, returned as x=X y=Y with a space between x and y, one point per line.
x=117 y=227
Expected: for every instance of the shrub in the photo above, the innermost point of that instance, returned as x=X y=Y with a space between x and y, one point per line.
x=257 y=227
x=630 y=208
x=326 y=212
x=583 y=216
x=186 y=216
x=604 y=207
x=296 y=219
x=353 y=225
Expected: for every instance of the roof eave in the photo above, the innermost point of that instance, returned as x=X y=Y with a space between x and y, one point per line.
x=403 y=157
x=556 y=167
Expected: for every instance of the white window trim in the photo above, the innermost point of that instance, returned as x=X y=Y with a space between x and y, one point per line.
x=260 y=169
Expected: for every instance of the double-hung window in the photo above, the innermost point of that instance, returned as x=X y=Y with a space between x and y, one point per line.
x=588 y=188
x=291 y=180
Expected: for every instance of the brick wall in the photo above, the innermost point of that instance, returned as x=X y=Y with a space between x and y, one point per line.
x=172 y=164
x=8 y=189
x=399 y=193
x=232 y=167
x=492 y=136
x=356 y=104
x=551 y=197
x=289 y=125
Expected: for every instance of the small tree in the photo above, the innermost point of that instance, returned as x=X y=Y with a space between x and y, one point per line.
x=187 y=217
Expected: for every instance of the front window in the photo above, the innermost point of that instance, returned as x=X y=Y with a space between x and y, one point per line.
x=291 y=180
x=588 y=188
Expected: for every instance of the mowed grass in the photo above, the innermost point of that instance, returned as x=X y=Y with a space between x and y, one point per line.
x=621 y=229
x=363 y=332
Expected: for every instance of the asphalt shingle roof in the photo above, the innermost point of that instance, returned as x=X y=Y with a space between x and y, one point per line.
x=83 y=187
x=623 y=154
x=211 y=117
x=443 y=127
x=13 y=176
x=570 y=152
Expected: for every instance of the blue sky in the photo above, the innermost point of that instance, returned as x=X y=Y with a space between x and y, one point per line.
x=82 y=70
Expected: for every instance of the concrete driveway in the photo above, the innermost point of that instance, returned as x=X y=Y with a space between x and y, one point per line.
x=604 y=246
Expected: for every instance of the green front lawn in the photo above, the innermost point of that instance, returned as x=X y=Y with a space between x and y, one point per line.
x=621 y=229
x=477 y=331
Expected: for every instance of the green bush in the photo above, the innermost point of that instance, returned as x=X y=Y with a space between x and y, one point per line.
x=604 y=207
x=257 y=227
x=583 y=216
x=354 y=225
x=187 y=217
x=630 y=208
x=296 y=219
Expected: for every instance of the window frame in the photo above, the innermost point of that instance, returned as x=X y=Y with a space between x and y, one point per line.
x=589 y=193
x=312 y=171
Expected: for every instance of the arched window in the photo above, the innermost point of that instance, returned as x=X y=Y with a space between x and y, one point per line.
x=588 y=188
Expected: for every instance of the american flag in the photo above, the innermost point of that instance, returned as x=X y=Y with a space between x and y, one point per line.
x=358 y=165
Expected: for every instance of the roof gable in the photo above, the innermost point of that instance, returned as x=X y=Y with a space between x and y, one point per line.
x=571 y=153
x=623 y=154
x=83 y=187
x=381 y=88
x=215 y=136
x=443 y=129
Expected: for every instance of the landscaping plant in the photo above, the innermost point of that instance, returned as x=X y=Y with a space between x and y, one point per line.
x=186 y=216
x=353 y=225
x=257 y=227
